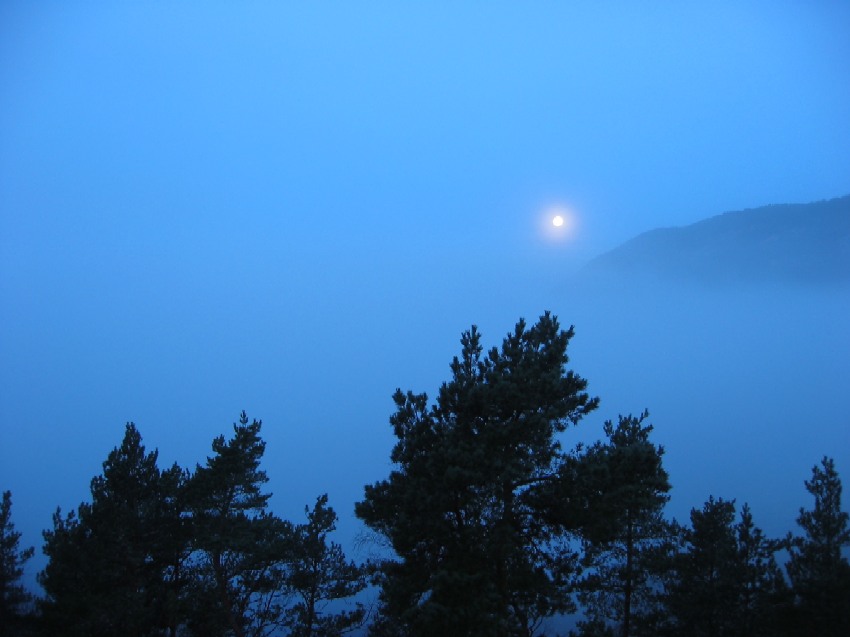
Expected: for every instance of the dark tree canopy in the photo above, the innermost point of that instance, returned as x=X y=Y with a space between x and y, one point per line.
x=14 y=598
x=763 y=594
x=725 y=582
x=111 y=562
x=239 y=550
x=626 y=488
x=464 y=506
x=173 y=553
x=703 y=595
x=490 y=527
x=319 y=575
x=819 y=572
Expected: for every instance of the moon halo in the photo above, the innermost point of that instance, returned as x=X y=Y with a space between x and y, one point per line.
x=557 y=223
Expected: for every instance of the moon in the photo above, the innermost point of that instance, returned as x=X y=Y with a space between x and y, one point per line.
x=557 y=223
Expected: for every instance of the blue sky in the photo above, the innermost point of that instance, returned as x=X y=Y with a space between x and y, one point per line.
x=293 y=210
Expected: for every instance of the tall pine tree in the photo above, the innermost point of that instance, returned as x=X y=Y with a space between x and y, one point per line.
x=725 y=582
x=702 y=596
x=318 y=575
x=762 y=593
x=14 y=598
x=110 y=570
x=467 y=507
x=239 y=549
x=626 y=489
x=819 y=572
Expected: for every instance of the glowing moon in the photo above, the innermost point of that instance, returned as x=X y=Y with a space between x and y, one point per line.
x=557 y=223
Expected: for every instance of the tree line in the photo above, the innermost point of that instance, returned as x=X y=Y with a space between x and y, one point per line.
x=179 y=552
x=490 y=527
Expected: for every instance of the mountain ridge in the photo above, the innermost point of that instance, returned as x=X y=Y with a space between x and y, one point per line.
x=796 y=243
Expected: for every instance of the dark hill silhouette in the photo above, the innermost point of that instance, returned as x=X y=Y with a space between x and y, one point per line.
x=794 y=243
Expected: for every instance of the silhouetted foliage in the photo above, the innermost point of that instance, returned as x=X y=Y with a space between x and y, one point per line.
x=819 y=573
x=110 y=564
x=15 y=601
x=593 y=628
x=494 y=528
x=702 y=595
x=169 y=553
x=319 y=574
x=625 y=487
x=464 y=507
x=725 y=582
x=763 y=595
x=239 y=550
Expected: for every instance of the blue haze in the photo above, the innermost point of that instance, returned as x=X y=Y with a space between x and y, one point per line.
x=207 y=207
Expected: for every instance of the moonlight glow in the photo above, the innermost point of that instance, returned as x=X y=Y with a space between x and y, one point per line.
x=557 y=223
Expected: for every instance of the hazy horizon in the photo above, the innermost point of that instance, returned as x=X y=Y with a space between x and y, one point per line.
x=295 y=210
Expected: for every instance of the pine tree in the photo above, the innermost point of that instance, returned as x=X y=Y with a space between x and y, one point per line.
x=819 y=573
x=318 y=574
x=703 y=592
x=110 y=563
x=725 y=582
x=14 y=598
x=762 y=593
x=626 y=490
x=239 y=549
x=470 y=507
